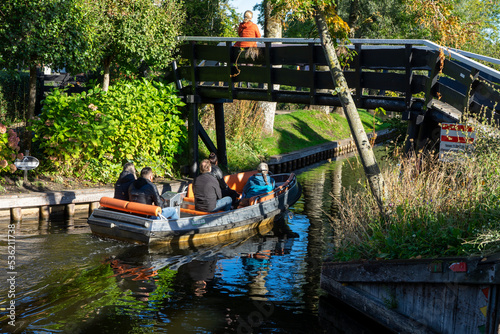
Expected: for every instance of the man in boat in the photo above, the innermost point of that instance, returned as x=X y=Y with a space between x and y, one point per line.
x=217 y=173
x=259 y=183
x=144 y=191
x=127 y=176
x=207 y=193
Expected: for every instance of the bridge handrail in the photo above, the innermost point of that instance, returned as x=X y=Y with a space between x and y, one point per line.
x=462 y=56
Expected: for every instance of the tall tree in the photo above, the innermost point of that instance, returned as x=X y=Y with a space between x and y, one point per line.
x=136 y=33
x=210 y=18
x=471 y=25
x=272 y=29
x=40 y=32
x=328 y=24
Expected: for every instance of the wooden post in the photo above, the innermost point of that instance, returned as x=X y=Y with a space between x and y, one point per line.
x=44 y=212
x=408 y=76
x=69 y=210
x=220 y=131
x=312 y=75
x=16 y=214
x=93 y=206
x=357 y=71
x=193 y=136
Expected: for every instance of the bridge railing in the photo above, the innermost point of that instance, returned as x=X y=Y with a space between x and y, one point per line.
x=409 y=76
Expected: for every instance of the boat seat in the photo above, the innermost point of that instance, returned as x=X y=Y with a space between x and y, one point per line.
x=190 y=209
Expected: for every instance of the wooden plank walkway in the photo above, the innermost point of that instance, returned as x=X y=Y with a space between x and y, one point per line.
x=13 y=205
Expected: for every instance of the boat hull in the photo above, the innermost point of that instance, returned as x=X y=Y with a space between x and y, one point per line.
x=132 y=228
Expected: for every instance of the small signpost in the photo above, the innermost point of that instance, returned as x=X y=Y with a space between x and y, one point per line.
x=26 y=164
x=455 y=138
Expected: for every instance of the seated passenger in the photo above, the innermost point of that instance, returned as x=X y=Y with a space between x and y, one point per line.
x=259 y=183
x=144 y=191
x=207 y=192
x=217 y=172
x=127 y=176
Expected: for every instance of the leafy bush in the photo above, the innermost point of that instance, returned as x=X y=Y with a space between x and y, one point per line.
x=13 y=95
x=90 y=135
x=243 y=121
x=9 y=146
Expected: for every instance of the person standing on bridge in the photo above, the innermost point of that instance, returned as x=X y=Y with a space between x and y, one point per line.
x=248 y=29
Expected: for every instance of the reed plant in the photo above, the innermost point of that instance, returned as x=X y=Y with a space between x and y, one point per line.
x=434 y=208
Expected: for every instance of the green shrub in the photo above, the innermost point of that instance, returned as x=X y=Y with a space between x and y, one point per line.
x=90 y=135
x=13 y=95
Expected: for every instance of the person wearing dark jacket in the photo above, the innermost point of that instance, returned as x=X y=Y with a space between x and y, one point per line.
x=207 y=193
x=217 y=173
x=127 y=176
x=144 y=191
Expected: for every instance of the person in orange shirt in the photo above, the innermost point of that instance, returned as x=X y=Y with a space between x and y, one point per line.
x=247 y=29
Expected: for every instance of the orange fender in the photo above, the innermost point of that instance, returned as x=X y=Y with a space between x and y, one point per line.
x=121 y=205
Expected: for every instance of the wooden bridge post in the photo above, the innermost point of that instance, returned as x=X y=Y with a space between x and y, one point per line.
x=411 y=134
x=220 y=131
x=357 y=69
x=408 y=76
x=193 y=136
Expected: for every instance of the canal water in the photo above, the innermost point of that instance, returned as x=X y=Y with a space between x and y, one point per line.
x=64 y=280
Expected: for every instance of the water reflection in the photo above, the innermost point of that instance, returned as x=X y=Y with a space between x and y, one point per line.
x=263 y=282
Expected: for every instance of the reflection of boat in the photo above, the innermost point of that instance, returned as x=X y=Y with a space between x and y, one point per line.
x=129 y=221
x=276 y=240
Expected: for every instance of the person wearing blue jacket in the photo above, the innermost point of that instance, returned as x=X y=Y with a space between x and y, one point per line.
x=259 y=183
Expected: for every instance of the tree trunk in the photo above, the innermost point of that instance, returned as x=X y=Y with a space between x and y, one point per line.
x=272 y=29
x=105 y=80
x=354 y=15
x=367 y=157
x=31 y=104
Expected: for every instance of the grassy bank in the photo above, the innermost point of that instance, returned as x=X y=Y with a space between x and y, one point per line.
x=247 y=146
x=434 y=209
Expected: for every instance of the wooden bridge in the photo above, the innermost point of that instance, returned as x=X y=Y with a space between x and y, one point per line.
x=429 y=84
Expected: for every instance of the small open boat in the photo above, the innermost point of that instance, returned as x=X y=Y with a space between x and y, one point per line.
x=128 y=221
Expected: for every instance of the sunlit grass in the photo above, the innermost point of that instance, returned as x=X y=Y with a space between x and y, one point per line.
x=247 y=145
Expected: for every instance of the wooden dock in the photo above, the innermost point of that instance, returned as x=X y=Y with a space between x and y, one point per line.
x=43 y=205
x=449 y=295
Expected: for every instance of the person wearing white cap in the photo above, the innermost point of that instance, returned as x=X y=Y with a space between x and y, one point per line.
x=259 y=183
